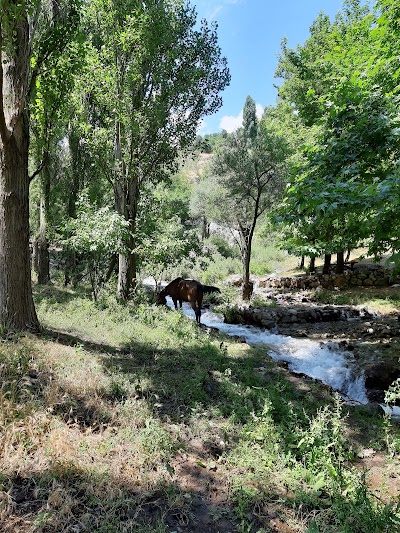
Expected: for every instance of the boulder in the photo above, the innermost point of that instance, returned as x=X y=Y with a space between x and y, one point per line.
x=378 y=378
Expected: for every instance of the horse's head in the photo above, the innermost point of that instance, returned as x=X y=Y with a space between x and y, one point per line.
x=161 y=299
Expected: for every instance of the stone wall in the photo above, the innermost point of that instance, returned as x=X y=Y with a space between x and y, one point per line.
x=368 y=277
x=269 y=317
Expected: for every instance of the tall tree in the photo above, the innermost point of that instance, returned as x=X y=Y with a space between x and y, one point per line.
x=49 y=115
x=248 y=172
x=338 y=79
x=164 y=75
x=18 y=25
x=17 y=309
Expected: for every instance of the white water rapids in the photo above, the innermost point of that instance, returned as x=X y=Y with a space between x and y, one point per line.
x=325 y=362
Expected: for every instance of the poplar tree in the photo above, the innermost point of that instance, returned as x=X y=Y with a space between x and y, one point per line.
x=248 y=181
x=19 y=38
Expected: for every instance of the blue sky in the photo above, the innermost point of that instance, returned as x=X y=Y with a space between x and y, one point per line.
x=250 y=34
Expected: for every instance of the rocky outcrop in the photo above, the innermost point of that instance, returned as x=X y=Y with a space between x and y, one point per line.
x=378 y=378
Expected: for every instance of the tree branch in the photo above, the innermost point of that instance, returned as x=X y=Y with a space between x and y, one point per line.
x=38 y=170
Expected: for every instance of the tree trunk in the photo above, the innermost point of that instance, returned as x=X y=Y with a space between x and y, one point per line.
x=124 y=273
x=327 y=264
x=340 y=263
x=69 y=270
x=34 y=255
x=43 y=259
x=205 y=230
x=302 y=262
x=126 y=193
x=247 y=287
x=17 y=310
x=75 y=186
x=111 y=268
x=123 y=197
x=312 y=264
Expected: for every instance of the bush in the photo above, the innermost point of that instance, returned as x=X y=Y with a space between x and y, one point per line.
x=223 y=247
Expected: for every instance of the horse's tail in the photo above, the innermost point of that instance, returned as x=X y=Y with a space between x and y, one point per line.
x=209 y=288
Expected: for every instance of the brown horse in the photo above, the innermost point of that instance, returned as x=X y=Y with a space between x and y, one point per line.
x=186 y=290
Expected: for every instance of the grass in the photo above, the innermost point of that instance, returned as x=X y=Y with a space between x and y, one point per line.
x=384 y=300
x=132 y=419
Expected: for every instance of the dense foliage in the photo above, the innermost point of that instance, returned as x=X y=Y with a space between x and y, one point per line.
x=343 y=82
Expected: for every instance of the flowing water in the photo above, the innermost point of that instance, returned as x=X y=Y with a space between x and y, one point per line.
x=326 y=362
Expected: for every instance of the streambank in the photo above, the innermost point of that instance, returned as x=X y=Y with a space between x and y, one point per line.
x=368 y=343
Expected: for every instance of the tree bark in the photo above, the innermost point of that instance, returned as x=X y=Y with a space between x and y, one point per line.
x=17 y=310
x=340 y=262
x=247 y=287
x=126 y=193
x=43 y=258
x=312 y=264
x=302 y=262
x=327 y=264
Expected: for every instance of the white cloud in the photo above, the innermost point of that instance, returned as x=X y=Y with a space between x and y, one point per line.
x=214 y=13
x=259 y=111
x=232 y=123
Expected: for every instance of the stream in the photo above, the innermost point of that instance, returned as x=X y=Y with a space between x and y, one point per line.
x=325 y=362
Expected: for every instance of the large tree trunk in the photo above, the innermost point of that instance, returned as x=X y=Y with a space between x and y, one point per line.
x=340 y=263
x=327 y=264
x=17 y=310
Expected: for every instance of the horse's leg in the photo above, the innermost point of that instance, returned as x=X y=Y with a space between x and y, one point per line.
x=197 y=311
x=193 y=305
x=199 y=302
x=198 y=314
x=175 y=302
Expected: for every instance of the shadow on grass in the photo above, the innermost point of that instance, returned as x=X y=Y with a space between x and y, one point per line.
x=68 y=498
x=56 y=293
x=194 y=378
x=182 y=383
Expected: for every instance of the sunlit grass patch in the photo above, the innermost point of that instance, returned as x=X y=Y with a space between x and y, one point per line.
x=383 y=300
